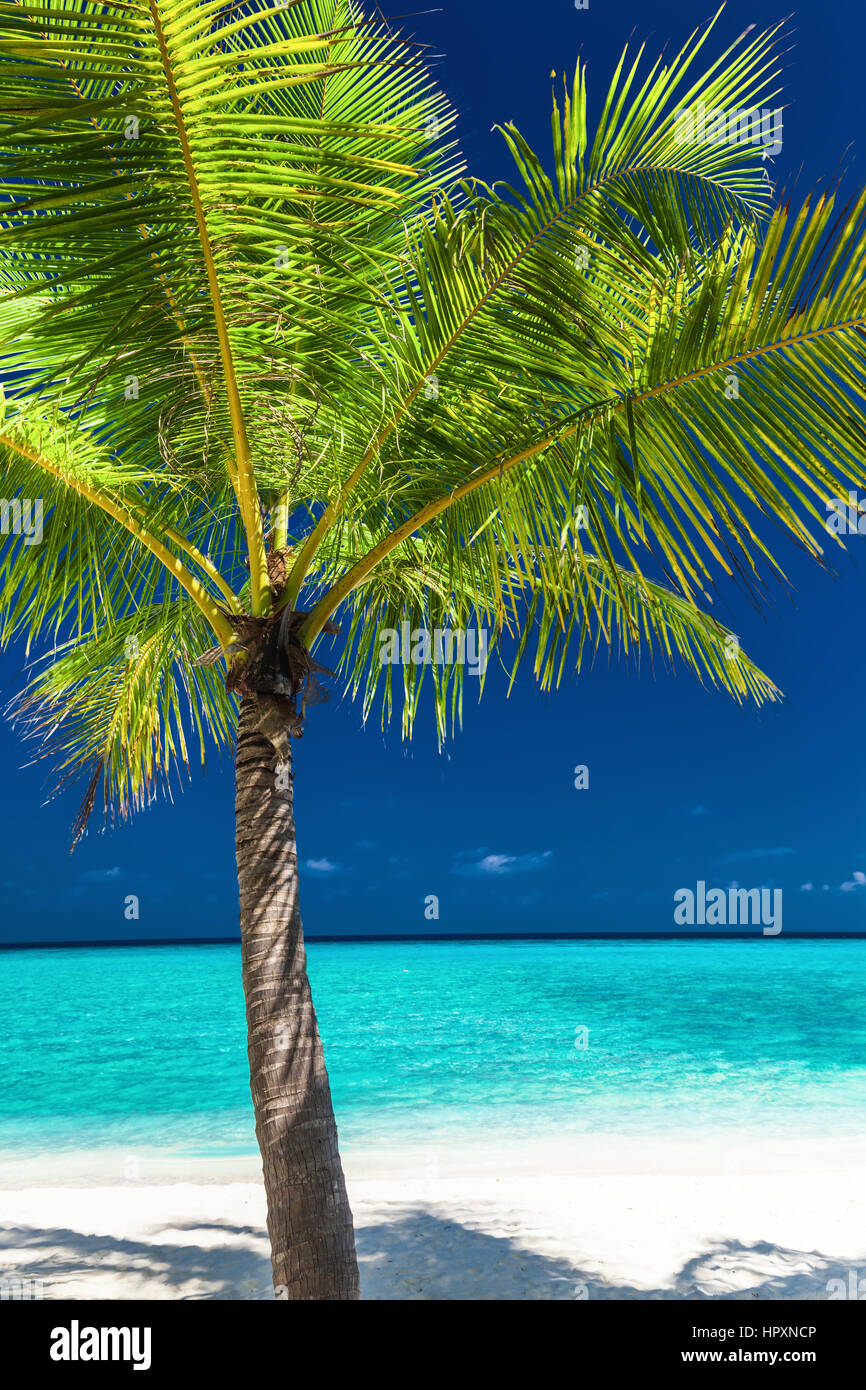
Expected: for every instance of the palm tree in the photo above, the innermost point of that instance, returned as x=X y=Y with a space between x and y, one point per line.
x=272 y=361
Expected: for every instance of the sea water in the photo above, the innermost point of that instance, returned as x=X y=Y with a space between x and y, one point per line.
x=442 y=1042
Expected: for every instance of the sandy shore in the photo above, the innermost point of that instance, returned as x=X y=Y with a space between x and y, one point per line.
x=616 y=1220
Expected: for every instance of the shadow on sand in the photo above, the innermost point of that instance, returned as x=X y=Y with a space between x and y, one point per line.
x=417 y=1256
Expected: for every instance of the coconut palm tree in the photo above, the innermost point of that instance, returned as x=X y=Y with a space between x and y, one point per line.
x=277 y=368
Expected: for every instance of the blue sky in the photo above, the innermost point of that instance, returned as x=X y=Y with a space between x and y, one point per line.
x=683 y=784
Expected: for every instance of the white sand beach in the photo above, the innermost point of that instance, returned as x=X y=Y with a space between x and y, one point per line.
x=619 y=1219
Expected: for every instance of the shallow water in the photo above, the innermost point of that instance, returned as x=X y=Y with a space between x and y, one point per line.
x=438 y=1042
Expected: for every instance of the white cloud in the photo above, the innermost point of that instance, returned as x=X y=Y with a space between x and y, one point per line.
x=321 y=866
x=101 y=875
x=496 y=863
x=482 y=863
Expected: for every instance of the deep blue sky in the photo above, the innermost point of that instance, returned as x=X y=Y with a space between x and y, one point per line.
x=683 y=783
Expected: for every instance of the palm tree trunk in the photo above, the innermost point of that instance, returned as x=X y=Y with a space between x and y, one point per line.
x=309 y=1219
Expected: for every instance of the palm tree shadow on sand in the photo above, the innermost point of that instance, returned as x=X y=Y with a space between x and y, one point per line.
x=418 y=1257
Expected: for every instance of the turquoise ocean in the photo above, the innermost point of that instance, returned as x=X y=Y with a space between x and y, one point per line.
x=442 y=1042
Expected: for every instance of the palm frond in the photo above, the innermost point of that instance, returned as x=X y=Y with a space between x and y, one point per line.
x=126 y=708
x=655 y=458
x=407 y=631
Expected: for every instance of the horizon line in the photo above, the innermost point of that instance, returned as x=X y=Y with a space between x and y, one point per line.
x=703 y=935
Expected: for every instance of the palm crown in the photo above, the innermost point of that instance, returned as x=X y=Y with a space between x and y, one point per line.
x=270 y=355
